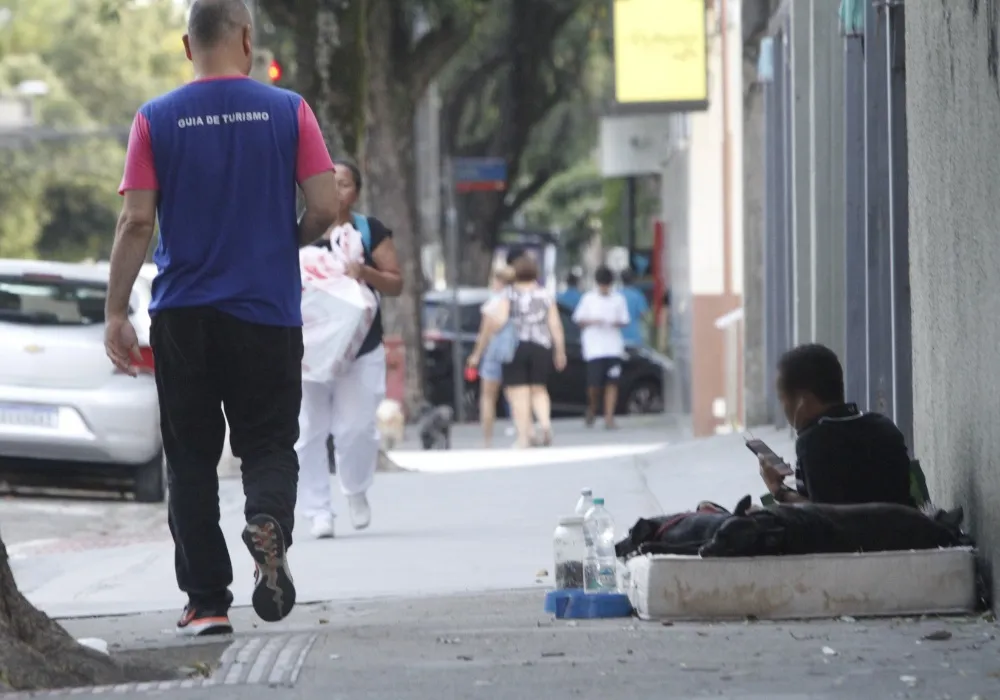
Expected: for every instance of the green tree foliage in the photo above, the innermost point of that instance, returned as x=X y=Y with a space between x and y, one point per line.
x=363 y=66
x=528 y=89
x=99 y=61
x=323 y=48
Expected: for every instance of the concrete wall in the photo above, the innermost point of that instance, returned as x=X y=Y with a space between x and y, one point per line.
x=713 y=293
x=674 y=197
x=953 y=108
x=808 y=38
x=754 y=357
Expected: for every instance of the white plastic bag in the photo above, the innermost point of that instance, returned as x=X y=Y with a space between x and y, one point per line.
x=346 y=242
x=337 y=313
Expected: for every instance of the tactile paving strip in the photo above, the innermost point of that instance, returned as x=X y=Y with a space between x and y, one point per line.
x=272 y=660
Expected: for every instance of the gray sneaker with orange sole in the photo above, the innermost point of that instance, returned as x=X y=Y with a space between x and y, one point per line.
x=273 y=591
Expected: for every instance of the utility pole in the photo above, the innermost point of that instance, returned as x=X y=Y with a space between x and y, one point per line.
x=451 y=245
x=464 y=175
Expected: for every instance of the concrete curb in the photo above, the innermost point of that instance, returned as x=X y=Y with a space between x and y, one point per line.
x=387 y=466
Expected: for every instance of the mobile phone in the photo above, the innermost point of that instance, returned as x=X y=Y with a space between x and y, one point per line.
x=761 y=449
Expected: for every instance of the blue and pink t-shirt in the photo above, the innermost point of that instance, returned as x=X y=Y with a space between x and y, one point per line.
x=225 y=155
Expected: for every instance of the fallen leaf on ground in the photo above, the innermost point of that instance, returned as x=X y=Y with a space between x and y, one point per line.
x=938 y=636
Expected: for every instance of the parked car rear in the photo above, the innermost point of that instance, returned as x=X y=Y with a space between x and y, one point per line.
x=645 y=373
x=66 y=415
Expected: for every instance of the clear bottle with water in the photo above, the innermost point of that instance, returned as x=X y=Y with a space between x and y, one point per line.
x=600 y=568
x=585 y=503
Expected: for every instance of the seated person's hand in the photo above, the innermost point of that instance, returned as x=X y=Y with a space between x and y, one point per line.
x=770 y=474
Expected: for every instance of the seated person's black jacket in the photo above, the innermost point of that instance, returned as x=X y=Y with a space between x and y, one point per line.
x=846 y=456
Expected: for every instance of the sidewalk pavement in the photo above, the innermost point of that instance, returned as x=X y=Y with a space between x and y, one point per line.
x=568 y=432
x=423 y=605
x=465 y=529
x=501 y=645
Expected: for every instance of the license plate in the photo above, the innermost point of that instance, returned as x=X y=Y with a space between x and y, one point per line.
x=29 y=416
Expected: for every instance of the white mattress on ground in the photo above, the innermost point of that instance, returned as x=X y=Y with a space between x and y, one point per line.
x=794 y=587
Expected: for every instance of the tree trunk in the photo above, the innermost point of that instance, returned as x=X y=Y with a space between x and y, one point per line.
x=389 y=165
x=480 y=214
x=36 y=653
x=331 y=65
x=519 y=76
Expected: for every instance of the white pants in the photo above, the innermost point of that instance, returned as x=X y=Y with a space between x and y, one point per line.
x=344 y=408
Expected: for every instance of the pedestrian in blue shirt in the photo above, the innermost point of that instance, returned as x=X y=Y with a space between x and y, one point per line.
x=638 y=309
x=216 y=163
x=570 y=297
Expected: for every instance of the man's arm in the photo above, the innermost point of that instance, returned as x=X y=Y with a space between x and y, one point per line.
x=136 y=221
x=789 y=496
x=315 y=174
x=133 y=235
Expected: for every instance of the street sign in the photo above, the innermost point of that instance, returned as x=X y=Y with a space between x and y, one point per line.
x=480 y=174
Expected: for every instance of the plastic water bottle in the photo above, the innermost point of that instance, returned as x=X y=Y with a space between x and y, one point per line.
x=600 y=568
x=585 y=503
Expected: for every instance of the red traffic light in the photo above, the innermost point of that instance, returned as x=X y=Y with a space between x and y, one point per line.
x=274 y=71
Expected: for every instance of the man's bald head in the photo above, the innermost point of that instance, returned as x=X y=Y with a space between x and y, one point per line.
x=211 y=22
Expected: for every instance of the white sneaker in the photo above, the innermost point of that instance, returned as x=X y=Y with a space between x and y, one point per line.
x=322 y=526
x=361 y=512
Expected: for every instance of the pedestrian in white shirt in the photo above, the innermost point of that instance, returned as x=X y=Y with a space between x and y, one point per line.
x=601 y=314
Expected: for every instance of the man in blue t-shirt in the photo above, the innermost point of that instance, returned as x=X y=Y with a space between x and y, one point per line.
x=638 y=308
x=216 y=163
x=570 y=297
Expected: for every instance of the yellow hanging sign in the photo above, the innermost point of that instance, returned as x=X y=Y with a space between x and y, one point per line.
x=660 y=53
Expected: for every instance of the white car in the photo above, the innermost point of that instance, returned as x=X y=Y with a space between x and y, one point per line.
x=63 y=406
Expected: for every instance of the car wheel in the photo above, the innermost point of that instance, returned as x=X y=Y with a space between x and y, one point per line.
x=151 y=480
x=644 y=397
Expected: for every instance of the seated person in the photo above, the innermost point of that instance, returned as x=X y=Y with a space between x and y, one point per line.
x=843 y=456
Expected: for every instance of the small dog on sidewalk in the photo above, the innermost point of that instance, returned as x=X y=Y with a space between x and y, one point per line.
x=815 y=528
x=435 y=427
x=391 y=423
